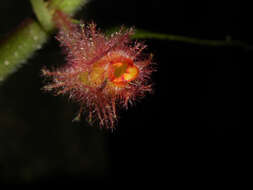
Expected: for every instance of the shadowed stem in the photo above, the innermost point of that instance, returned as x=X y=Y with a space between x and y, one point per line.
x=142 y=34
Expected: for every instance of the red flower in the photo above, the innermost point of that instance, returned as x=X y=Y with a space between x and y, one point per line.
x=102 y=73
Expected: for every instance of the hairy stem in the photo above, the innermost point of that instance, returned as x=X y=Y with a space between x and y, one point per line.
x=31 y=35
x=19 y=46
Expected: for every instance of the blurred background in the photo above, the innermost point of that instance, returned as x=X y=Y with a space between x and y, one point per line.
x=189 y=128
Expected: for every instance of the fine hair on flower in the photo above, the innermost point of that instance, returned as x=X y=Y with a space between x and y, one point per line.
x=102 y=73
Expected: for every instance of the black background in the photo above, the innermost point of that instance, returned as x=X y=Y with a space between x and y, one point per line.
x=188 y=131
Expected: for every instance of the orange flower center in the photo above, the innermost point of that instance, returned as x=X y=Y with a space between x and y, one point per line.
x=119 y=72
x=123 y=72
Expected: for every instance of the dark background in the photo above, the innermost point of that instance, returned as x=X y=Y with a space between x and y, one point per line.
x=188 y=131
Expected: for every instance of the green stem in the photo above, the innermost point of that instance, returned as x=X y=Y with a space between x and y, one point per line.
x=31 y=35
x=43 y=14
x=142 y=34
x=19 y=47
x=67 y=6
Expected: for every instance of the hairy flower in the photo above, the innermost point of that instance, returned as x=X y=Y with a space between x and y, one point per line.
x=102 y=73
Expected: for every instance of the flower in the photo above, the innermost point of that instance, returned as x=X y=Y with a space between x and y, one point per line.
x=102 y=73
